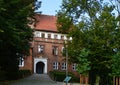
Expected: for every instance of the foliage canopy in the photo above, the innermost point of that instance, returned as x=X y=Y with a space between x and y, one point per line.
x=15 y=34
x=92 y=25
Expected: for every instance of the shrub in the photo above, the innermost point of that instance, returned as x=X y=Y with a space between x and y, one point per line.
x=2 y=76
x=23 y=73
x=60 y=76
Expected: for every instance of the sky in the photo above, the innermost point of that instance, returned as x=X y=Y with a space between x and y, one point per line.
x=49 y=7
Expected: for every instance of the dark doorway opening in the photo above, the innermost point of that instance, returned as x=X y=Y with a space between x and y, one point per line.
x=40 y=67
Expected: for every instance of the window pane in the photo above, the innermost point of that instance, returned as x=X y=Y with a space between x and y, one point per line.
x=55 y=50
x=21 y=62
x=55 y=65
x=42 y=35
x=74 y=67
x=55 y=36
x=49 y=36
x=40 y=48
x=64 y=66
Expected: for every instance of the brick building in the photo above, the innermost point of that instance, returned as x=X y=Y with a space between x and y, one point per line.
x=47 y=47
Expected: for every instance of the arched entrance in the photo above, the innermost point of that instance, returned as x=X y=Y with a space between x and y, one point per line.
x=40 y=67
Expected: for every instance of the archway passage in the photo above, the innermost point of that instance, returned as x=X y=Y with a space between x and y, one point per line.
x=40 y=68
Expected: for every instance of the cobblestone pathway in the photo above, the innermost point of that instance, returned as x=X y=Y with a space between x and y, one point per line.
x=36 y=79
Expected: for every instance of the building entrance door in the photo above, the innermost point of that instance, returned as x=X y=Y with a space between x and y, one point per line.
x=40 y=67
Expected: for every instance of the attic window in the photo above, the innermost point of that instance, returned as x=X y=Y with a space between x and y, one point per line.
x=42 y=35
x=62 y=37
x=49 y=36
x=55 y=36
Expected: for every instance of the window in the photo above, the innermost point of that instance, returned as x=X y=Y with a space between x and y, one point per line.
x=55 y=36
x=62 y=37
x=64 y=66
x=42 y=35
x=49 y=36
x=55 y=50
x=40 y=48
x=37 y=34
x=21 y=62
x=55 y=65
x=74 y=67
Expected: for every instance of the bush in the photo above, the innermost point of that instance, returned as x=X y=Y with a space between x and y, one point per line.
x=60 y=76
x=23 y=73
x=2 y=76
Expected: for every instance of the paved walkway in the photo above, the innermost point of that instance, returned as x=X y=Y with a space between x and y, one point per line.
x=37 y=79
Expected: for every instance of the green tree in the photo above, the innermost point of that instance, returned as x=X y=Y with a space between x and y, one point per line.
x=84 y=65
x=116 y=65
x=94 y=27
x=15 y=34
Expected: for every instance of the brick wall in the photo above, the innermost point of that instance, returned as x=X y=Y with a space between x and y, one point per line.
x=28 y=62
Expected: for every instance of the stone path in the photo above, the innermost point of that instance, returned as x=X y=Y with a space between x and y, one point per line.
x=36 y=79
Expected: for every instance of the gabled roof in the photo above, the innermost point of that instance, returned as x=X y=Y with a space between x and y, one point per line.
x=46 y=23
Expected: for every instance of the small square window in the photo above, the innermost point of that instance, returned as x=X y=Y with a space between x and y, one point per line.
x=49 y=36
x=42 y=35
x=37 y=34
x=62 y=37
x=55 y=36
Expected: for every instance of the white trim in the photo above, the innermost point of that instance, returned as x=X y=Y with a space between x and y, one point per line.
x=39 y=34
x=64 y=66
x=55 y=65
x=21 y=62
x=44 y=60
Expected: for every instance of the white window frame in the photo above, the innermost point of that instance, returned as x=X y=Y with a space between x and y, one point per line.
x=21 y=62
x=55 y=65
x=37 y=34
x=40 y=48
x=49 y=36
x=42 y=35
x=55 y=50
x=55 y=36
x=64 y=66
x=74 y=66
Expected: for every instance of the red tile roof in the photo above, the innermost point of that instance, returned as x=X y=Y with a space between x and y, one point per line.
x=46 y=23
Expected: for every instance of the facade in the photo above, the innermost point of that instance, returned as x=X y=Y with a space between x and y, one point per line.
x=47 y=47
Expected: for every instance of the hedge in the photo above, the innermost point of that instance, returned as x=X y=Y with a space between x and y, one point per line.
x=2 y=76
x=60 y=76
x=24 y=73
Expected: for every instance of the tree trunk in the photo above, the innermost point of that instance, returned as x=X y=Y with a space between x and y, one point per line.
x=92 y=77
x=105 y=80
